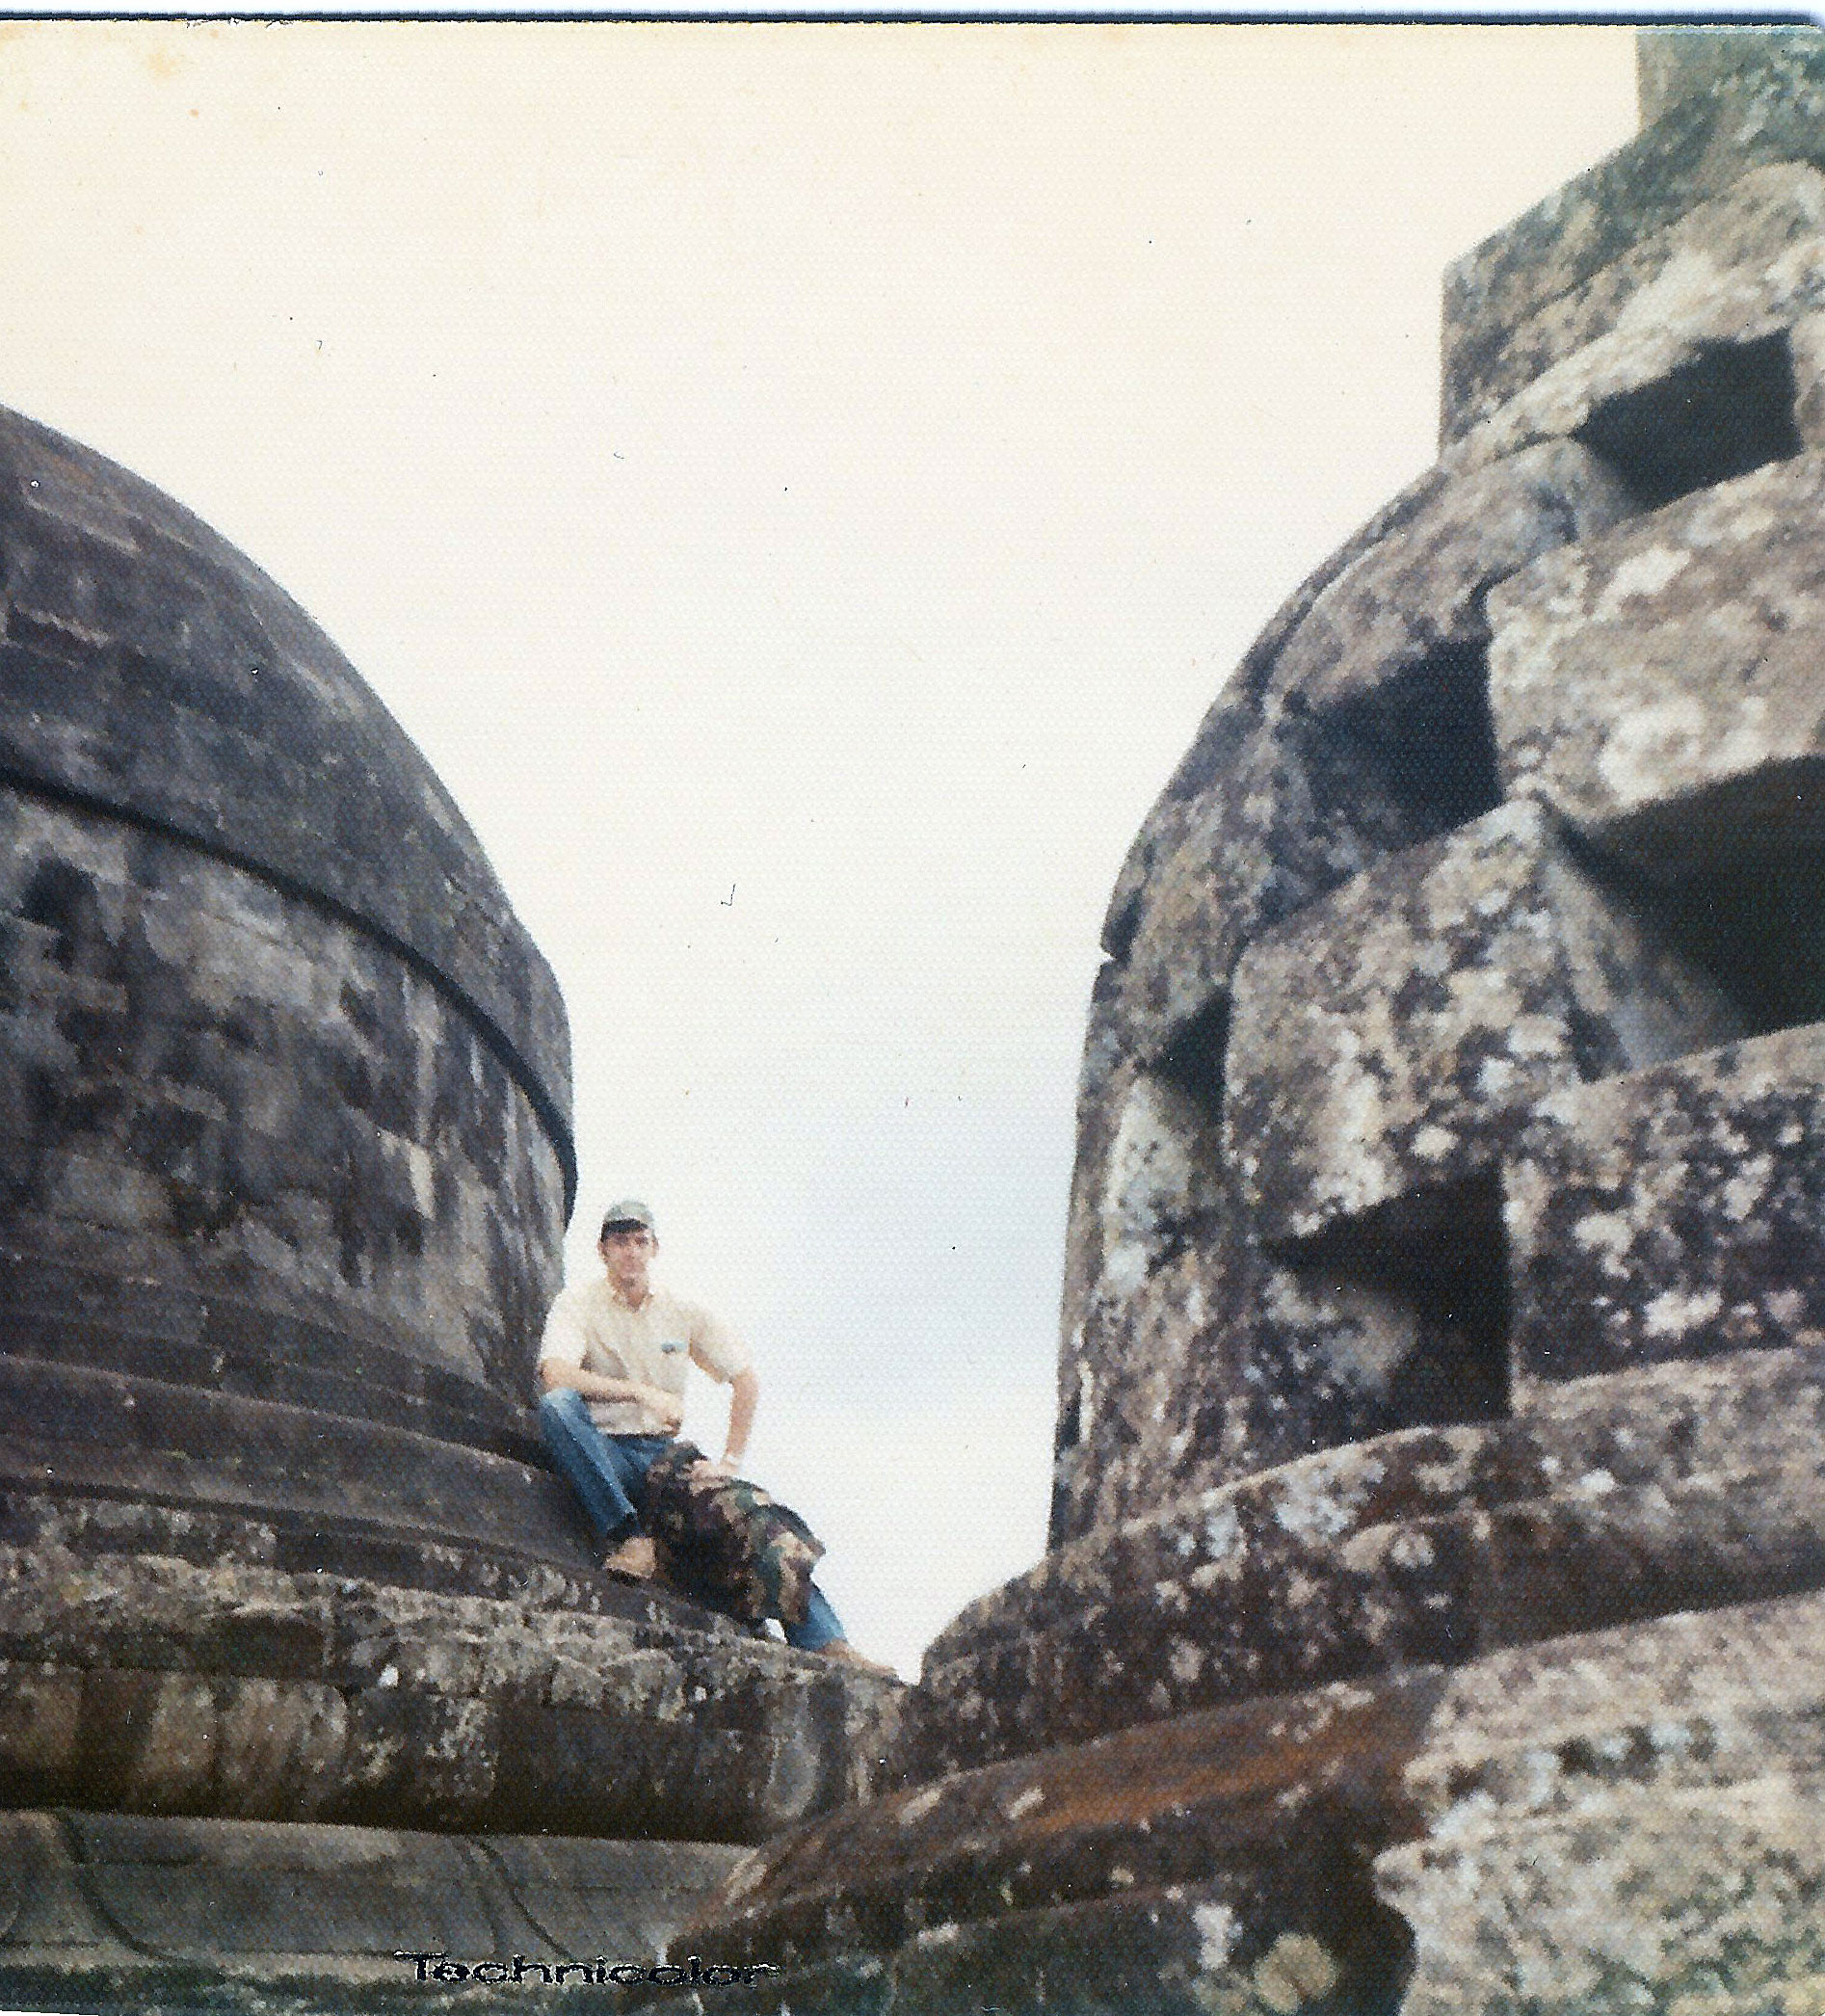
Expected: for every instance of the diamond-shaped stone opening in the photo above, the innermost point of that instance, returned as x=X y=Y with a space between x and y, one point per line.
x=1759 y=932
x=1194 y=1059
x=1070 y=1416
x=1409 y=759
x=1426 y=1280
x=1727 y=411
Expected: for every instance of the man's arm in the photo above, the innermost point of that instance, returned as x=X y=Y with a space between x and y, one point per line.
x=713 y=1350
x=743 y=1399
x=742 y=1402
x=554 y=1372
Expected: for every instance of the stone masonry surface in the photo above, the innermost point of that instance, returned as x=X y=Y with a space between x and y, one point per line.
x=153 y=671
x=284 y=1164
x=1431 y=1615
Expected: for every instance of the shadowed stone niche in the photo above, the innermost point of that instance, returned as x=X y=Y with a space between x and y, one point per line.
x=1431 y=1621
x=287 y=1592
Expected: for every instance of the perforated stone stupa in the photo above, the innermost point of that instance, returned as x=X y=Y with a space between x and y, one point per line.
x=1431 y=1619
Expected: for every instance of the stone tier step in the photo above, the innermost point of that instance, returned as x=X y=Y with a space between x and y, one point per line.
x=130 y=1912
x=1322 y=1843
x=90 y=1529
x=131 y=1317
x=136 y=1683
x=1620 y=1496
x=1151 y=1952
x=72 y=1430
x=473 y=1416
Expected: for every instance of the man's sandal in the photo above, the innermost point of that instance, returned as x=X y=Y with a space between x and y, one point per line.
x=634 y=1560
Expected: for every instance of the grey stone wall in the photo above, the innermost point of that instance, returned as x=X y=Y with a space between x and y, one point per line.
x=309 y=1174
x=283 y=1085
x=153 y=671
x=284 y=1165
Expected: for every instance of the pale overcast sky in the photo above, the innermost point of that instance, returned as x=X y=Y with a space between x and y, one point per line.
x=801 y=487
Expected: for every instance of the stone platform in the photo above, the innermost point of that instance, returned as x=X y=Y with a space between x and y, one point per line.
x=182 y=1682
x=1613 y=1819
x=110 y=1913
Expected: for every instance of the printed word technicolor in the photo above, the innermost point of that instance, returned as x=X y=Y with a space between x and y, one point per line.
x=439 y=1966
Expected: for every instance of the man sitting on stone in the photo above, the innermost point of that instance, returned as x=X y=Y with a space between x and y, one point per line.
x=613 y=1364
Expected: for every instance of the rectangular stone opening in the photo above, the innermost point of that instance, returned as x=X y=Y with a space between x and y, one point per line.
x=1727 y=411
x=1420 y=1292
x=1413 y=758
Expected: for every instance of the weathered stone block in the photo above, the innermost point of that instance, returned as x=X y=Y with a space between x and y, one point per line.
x=1686 y=61
x=1673 y=1212
x=1770 y=113
x=1152 y=1281
x=1154 y=1408
x=1705 y=371
x=1235 y=716
x=1222 y=1362
x=1372 y=734
x=1390 y=1042
x=1640 y=1900
x=1744 y=232
x=1369 y=733
x=1660 y=687
x=1160 y=1185
x=1421 y=589
x=1346 y=1346
x=1224 y=732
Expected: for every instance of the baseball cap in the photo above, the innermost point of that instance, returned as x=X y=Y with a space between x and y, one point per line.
x=627 y=1212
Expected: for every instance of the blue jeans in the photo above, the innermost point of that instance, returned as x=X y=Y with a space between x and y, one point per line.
x=609 y=1474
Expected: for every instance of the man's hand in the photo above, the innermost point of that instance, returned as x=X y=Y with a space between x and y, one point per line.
x=722 y=1467
x=594 y=1385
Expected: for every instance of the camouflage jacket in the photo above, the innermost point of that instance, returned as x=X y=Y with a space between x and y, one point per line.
x=727 y=1542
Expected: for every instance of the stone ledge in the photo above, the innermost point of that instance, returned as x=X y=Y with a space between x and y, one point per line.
x=1265 y=1814
x=245 y=1916
x=155 y=1685
x=1685 y=1485
x=70 y=1428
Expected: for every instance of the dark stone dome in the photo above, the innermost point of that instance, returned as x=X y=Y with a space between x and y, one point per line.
x=285 y=1149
